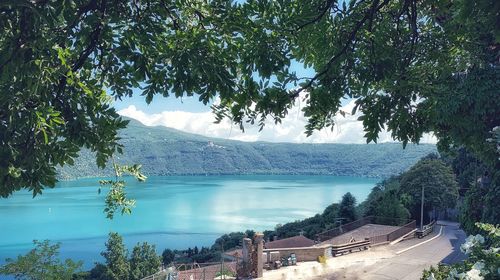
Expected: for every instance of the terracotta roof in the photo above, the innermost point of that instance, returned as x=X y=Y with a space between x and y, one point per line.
x=237 y=253
x=291 y=242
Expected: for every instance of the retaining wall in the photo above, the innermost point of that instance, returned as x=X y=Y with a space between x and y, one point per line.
x=303 y=254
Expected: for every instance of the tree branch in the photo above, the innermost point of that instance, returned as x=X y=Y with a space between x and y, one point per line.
x=171 y=16
x=350 y=40
x=329 y=4
x=91 y=5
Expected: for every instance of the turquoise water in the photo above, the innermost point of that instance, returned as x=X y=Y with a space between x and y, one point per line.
x=171 y=212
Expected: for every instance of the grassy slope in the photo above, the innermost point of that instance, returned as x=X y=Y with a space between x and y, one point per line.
x=167 y=151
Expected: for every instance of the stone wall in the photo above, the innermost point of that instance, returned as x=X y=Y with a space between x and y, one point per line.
x=303 y=254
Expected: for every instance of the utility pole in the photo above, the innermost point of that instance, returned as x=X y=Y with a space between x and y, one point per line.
x=422 y=210
x=221 y=261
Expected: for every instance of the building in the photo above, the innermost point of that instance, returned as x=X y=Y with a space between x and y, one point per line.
x=291 y=242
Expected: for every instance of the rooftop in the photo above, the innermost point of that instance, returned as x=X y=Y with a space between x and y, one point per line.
x=291 y=242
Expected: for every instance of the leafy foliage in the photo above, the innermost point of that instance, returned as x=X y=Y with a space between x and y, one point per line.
x=308 y=227
x=347 y=209
x=483 y=260
x=385 y=200
x=480 y=187
x=116 y=197
x=389 y=205
x=438 y=181
x=144 y=261
x=480 y=204
x=41 y=263
x=413 y=67
x=58 y=59
x=231 y=240
x=98 y=272
x=117 y=265
x=167 y=256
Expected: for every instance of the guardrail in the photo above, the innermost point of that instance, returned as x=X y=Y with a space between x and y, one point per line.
x=421 y=233
x=405 y=229
x=329 y=234
x=162 y=275
x=349 y=247
x=391 y=236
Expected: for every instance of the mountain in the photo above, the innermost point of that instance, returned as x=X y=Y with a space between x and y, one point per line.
x=167 y=151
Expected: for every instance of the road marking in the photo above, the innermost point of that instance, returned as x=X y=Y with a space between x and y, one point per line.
x=421 y=243
x=402 y=237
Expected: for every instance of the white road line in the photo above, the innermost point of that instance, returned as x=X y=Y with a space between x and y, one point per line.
x=421 y=243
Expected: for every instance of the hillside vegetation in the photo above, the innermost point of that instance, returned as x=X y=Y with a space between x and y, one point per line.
x=167 y=151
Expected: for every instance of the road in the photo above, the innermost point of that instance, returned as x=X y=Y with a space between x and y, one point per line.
x=385 y=262
x=410 y=264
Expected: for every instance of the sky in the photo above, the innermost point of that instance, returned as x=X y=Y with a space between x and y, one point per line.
x=190 y=115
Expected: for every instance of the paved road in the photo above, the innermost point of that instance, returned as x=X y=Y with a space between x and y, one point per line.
x=383 y=262
x=410 y=264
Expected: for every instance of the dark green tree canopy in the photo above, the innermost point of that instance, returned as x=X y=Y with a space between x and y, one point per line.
x=42 y=262
x=347 y=208
x=438 y=181
x=144 y=261
x=59 y=58
x=116 y=256
x=167 y=256
x=413 y=67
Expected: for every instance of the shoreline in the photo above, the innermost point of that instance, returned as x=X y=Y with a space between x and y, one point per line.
x=229 y=174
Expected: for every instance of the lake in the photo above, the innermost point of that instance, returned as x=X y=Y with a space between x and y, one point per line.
x=171 y=212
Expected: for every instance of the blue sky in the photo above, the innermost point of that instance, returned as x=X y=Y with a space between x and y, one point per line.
x=190 y=115
x=188 y=104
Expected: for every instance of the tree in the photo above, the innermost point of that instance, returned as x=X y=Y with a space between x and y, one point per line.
x=331 y=214
x=347 y=208
x=249 y=233
x=228 y=241
x=466 y=167
x=389 y=205
x=412 y=66
x=117 y=265
x=42 y=262
x=144 y=261
x=367 y=207
x=441 y=188
x=59 y=60
x=479 y=185
x=167 y=256
x=98 y=272
x=480 y=204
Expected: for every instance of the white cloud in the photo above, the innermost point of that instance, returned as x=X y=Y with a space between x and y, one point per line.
x=347 y=129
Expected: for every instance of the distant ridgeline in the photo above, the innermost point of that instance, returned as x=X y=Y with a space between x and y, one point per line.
x=167 y=151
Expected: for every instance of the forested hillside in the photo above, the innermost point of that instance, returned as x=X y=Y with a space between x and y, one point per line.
x=166 y=151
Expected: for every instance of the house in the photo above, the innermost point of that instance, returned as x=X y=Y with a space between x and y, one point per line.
x=291 y=242
x=233 y=255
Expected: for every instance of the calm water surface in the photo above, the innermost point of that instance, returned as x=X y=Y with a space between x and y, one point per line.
x=171 y=212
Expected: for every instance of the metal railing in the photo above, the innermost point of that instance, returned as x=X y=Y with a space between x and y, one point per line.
x=426 y=230
x=329 y=234
x=205 y=271
x=349 y=247
x=393 y=235
x=162 y=275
